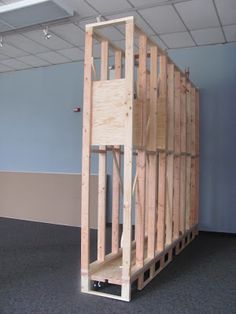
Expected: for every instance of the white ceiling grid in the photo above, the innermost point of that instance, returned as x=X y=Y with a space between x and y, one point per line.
x=171 y=23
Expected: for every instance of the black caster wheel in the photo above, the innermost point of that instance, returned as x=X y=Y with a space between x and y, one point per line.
x=95 y=285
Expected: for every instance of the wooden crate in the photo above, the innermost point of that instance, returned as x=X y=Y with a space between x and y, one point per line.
x=147 y=116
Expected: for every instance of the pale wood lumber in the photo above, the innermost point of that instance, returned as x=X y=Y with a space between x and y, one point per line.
x=102 y=168
x=116 y=185
x=85 y=202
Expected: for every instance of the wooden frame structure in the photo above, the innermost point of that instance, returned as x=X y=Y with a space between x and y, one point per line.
x=147 y=117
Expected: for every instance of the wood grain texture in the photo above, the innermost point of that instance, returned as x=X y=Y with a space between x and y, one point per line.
x=182 y=194
x=162 y=106
x=169 y=198
x=102 y=169
x=85 y=195
x=161 y=202
x=177 y=113
x=115 y=174
x=128 y=161
x=152 y=130
x=109 y=112
x=170 y=106
x=141 y=157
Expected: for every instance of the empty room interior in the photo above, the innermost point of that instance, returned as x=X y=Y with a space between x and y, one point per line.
x=117 y=156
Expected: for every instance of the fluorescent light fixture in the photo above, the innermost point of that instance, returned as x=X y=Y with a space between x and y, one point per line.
x=32 y=12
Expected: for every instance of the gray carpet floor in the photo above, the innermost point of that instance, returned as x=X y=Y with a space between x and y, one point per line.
x=40 y=273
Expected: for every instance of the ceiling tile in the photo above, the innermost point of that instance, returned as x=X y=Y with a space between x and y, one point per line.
x=230 y=32
x=138 y=3
x=198 y=14
x=4 y=27
x=15 y=64
x=227 y=11
x=4 y=68
x=74 y=54
x=53 y=57
x=82 y=8
x=11 y=51
x=33 y=61
x=3 y=57
x=159 y=42
x=69 y=32
x=83 y=23
x=120 y=44
x=138 y=20
x=163 y=19
x=104 y=6
x=54 y=43
x=24 y=43
x=208 y=36
x=178 y=40
x=111 y=33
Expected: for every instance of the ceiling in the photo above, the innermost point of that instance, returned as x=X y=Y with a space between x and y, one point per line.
x=171 y=23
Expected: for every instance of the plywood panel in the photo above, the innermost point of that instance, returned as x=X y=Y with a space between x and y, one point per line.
x=109 y=112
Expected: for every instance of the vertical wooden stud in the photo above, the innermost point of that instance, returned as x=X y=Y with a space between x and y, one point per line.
x=102 y=168
x=169 y=197
x=162 y=143
x=115 y=175
x=193 y=119
x=170 y=106
x=128 y=156
x=193 y=155
x=188 y=191
x=152 y=175
x=170 y=156
x=182 y=194
x=188 y=158
x=85 y=204
x=197 y=154
x=176 y=198
x=183 y=143
x=161 y=203
x=141 y=158
x=162 y=106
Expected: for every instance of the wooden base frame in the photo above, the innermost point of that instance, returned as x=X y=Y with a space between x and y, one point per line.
x=147 y=118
